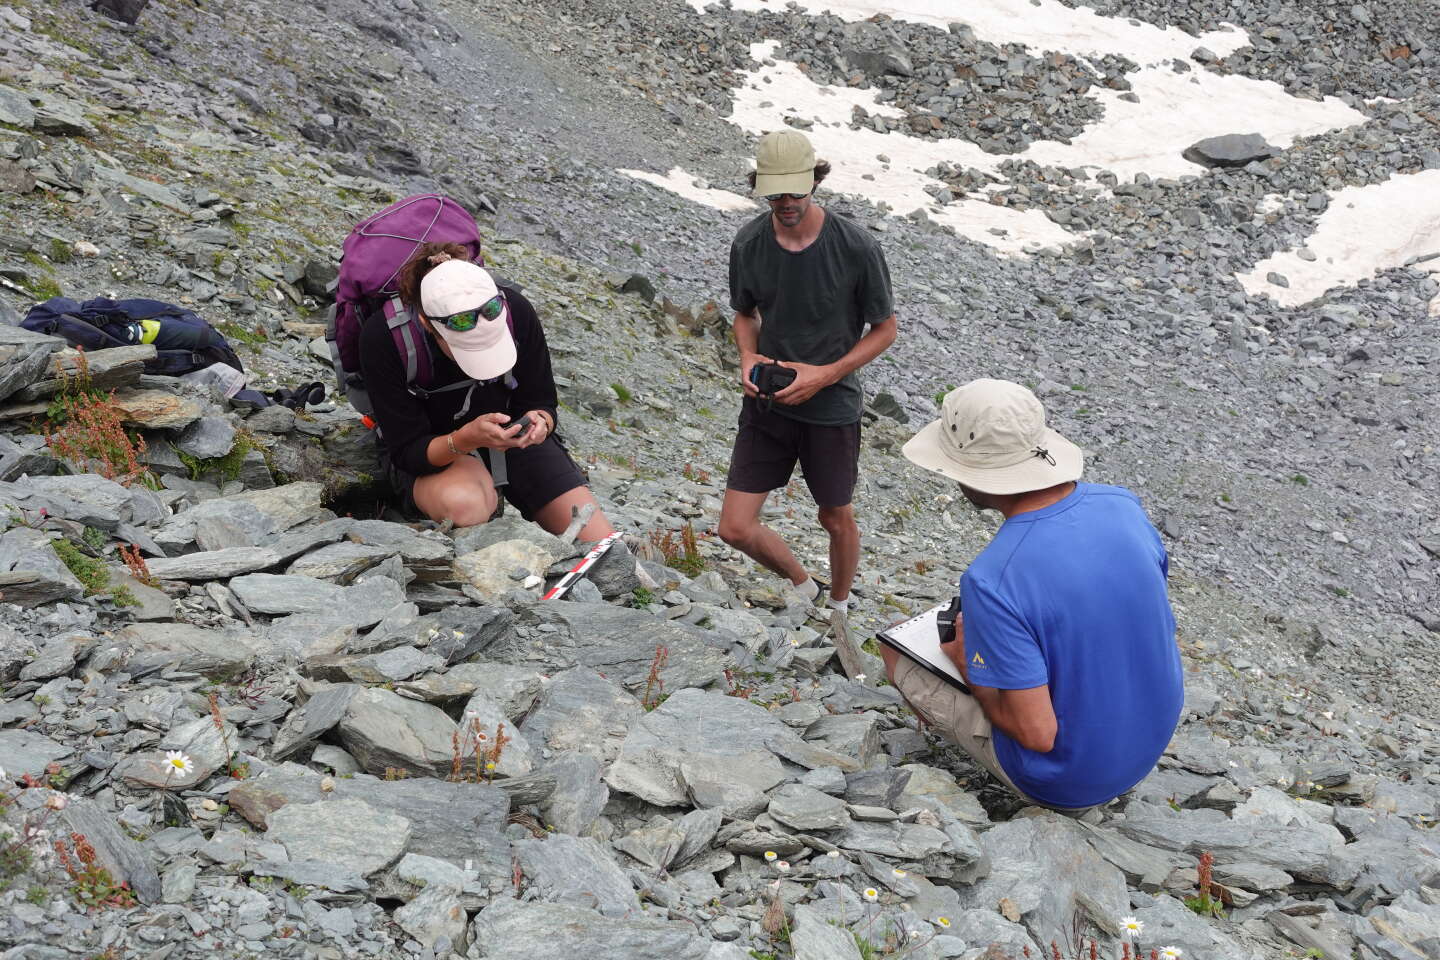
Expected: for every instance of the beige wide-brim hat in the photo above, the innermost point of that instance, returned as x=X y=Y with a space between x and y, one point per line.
x=992 y=437
x=784 y=163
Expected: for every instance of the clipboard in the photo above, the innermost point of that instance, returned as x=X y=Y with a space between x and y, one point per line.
x=918 y=639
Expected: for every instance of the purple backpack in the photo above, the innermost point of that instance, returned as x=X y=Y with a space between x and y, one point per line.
x=366 y=289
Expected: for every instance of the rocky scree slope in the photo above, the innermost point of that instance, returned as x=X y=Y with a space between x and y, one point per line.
x=359 y=648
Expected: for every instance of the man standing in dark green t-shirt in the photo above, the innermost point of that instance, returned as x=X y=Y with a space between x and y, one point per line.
x=804 y=285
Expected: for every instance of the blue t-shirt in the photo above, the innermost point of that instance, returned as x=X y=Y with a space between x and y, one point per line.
x=1074 y=596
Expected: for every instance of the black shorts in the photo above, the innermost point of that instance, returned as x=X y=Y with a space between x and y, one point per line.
x=536 y=475
x=769 y=444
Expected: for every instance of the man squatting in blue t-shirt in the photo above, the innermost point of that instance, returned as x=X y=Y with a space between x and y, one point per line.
x=1067 y=639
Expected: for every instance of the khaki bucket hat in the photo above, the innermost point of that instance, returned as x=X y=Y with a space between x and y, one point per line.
x=991 y=436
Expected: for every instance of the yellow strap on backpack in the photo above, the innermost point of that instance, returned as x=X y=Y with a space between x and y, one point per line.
x=149 y=330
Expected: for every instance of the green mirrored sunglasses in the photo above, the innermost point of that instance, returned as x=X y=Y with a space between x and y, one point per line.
x=466 y=319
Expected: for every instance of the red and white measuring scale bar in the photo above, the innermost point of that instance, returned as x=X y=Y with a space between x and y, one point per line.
x=576 y=572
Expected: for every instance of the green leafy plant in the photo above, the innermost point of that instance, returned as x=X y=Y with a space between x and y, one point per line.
x=92 y=886
x=622 y=392
x=1203 y=903
x=641 y=597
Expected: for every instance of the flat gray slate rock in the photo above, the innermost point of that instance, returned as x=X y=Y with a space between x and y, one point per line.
x=350 y=834
x=691 y=725
x=126 y=860
x=214 y=564
x=617 y=641
x=26 y=752
x=578 y=870
x=276 y=594
x=459 y=823
x=814 y=938
x=384 y=730
x=1230 y=150
x=217 y=654
x=510 y=930
x=1046 y=867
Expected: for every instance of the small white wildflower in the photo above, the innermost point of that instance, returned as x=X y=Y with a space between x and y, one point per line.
x=57 y=801
x=327 y=784
x=834 y=853
x=871 y=894
x=794 y=641
x=899 y=874
x=771 y=856
x=459 y=634
x=432 y=633
x=943 y=921
x=1130 y=927
x=490 y=765
x=859 y=678
x=783 y=866
x=177 y=762
x=1171 y=953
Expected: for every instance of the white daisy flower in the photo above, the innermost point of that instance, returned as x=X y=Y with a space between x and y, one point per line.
x=899 y=874
x=943 y=921
x=1171 y=953
x=859 y=678
x=771 y=856
x=783 y=866
x=177 y=763
x=1130 y=927
x=871 y=894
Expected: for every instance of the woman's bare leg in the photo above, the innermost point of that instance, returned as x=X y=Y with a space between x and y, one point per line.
x=463 y=493
x=555 y=515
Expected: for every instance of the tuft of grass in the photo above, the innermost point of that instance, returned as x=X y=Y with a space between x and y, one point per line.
x=60 y=251
x=89 y=571
x=622 y=393
x=940 y=396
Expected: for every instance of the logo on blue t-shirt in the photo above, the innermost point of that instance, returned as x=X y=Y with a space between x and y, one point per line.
x=977 y=661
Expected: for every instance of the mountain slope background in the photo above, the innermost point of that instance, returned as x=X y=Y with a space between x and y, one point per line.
x=1288 y=454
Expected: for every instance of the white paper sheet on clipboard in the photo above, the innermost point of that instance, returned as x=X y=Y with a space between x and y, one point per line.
x=918 y=639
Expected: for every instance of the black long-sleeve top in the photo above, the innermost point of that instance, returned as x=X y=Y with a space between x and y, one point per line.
x=408 y=423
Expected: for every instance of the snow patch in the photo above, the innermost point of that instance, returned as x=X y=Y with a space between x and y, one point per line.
x=1363 y=231
x=1043 y=25
x=682 y=183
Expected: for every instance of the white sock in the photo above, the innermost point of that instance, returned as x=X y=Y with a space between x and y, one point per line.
x=809 y=589
x=834 y=604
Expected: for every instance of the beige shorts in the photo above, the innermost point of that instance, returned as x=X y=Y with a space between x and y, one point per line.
x=955 y=714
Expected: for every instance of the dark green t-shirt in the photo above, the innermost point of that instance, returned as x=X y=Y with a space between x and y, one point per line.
x=813 y=304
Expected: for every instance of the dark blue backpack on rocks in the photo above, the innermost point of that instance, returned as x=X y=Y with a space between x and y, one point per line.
x=183 y=342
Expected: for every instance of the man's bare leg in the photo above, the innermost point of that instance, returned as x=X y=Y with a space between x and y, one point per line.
x=839 y=523
x=741 y=528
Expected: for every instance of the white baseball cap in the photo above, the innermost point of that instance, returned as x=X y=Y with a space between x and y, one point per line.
x=992 y=437
x=486 y=350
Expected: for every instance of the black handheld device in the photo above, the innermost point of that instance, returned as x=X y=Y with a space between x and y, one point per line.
x=770 y=378
x=945 y=620
x=523 y=423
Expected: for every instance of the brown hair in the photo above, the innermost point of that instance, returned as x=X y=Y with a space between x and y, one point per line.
x=427 y=258
x=822 y=170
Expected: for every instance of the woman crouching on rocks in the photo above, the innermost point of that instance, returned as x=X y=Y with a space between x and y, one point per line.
x=491 y=408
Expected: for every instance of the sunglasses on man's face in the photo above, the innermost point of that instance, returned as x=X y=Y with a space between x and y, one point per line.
x=777 y=197
x=466 y=319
